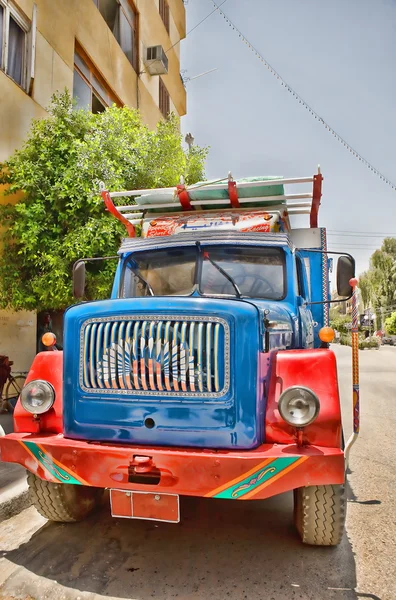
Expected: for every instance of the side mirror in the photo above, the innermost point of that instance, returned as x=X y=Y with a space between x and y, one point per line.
x=345 y=272
x=79 y=279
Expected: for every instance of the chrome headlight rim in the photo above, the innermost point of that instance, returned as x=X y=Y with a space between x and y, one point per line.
x=307 y=395
x=48 y=402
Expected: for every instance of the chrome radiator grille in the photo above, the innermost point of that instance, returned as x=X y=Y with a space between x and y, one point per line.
x=162 y=356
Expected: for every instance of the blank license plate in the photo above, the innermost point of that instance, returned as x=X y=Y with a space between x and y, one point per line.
x=145 y=505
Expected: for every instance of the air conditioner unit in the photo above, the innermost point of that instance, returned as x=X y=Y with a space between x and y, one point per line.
x=156 y=60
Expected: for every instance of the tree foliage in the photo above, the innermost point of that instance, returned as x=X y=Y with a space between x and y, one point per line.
x=341 y=322
x=378 y=284
x=390 y=324
x=61 y=217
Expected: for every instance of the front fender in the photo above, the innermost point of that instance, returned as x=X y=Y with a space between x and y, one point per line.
x=47 y=366
x=317 y=370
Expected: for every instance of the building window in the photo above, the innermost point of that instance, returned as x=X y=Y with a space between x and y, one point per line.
x=164 y=100
x=122 y=19
x=13 y=43
x=164 y=12
x=89 y=90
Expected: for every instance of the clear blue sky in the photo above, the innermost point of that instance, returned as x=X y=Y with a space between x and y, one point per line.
x=340 y=56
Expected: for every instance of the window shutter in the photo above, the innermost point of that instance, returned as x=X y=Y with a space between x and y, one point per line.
x=31 y=56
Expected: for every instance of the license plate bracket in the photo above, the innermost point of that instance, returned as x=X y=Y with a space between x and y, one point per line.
x=150 y=506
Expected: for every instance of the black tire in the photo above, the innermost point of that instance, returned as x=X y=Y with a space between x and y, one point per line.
x=62 y=502
x=319 y=514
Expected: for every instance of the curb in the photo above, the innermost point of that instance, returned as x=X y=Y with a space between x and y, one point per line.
x=14 y=499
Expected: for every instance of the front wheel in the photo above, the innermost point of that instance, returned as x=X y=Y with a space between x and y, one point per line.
x=63 y=502
x=319 y=514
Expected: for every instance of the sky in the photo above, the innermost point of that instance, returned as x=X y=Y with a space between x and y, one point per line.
x=340 y=56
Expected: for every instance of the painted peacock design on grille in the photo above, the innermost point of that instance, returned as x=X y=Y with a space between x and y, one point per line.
x=148 y=365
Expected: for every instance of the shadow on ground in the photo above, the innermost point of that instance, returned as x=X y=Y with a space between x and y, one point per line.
x=221 y=549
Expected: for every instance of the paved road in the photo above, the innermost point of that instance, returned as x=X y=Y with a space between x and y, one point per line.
x=9 y=473
x=228 y=550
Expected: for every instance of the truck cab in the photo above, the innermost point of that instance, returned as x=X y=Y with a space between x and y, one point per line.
x=208 y=372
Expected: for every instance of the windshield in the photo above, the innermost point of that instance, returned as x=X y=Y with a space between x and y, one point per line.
x=210 y=270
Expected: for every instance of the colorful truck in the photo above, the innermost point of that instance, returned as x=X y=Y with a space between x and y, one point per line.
x=207 y=373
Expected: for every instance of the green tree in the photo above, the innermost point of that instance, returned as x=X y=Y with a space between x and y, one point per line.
x=366 y=288
x=390 y=324
x=61 y=217
x=378 y=284
x=340 y=323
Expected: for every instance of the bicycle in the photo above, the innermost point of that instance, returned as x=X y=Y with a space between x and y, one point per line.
x=10 y=384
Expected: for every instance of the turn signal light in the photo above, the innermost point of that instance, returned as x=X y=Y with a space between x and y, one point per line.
x=49 y=339
x=326 y=334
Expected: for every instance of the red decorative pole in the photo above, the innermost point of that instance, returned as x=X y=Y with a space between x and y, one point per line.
x=355 y=372
x=316 y=196
x=113 y=209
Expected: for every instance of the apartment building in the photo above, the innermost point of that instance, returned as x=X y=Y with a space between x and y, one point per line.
x=125 y=52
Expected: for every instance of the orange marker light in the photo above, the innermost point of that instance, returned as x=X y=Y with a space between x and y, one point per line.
x=326 y=334
x=49 y=339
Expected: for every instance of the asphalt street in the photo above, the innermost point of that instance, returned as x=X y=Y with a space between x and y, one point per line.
x=228 y=550
x=9 y=473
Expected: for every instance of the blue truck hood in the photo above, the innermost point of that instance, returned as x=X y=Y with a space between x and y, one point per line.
x=119 y=383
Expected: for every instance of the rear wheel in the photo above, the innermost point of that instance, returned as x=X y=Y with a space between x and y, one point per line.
x=62 y=502
x=319 y=514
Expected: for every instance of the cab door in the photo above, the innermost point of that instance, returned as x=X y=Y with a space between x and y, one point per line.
x=305 y=314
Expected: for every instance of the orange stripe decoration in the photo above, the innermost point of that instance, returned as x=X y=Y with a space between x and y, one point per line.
x=263 y=474
x=58 y=471
x=274 y=478
x=61 y=466
x=24 y=446
x=225 y=486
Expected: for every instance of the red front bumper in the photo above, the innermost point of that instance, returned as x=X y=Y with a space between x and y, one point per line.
x=265 y=471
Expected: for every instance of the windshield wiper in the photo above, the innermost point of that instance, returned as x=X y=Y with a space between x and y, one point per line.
x=142 y=279
x=223 y=272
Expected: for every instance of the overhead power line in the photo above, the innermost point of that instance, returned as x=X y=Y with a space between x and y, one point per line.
x=283 y=83
x=359 y=233
x=354 y=242
x=191 y=30
x=197 y=25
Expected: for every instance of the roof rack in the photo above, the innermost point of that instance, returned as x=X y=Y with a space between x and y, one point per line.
x=296 y=204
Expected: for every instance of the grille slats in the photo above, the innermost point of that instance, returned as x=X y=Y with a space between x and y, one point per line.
x=209 y=356
x=143 y=356
x=92 y=370
x=98 y=354
x=191 y=361
x=200 y=357
x=86 y=358
x=175 y=370
x=121 y=362
x=106 y=357
x=187 y=356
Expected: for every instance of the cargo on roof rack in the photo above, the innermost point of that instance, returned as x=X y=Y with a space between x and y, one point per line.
x=227 y=195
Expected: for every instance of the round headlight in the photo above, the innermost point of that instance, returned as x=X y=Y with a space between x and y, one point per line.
x=37 y=396
x=298 y=406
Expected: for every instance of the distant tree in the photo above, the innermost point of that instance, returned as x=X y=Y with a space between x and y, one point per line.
x=61 y=217
x=365 y=287
x=340 y=323
x=378 y=284
x=390 y=324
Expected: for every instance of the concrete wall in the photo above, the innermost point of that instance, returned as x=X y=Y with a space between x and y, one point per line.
x=18 y=338
x=60 y=24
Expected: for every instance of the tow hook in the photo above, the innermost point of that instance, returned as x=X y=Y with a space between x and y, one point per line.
x=143 y=464
x=143 y=470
